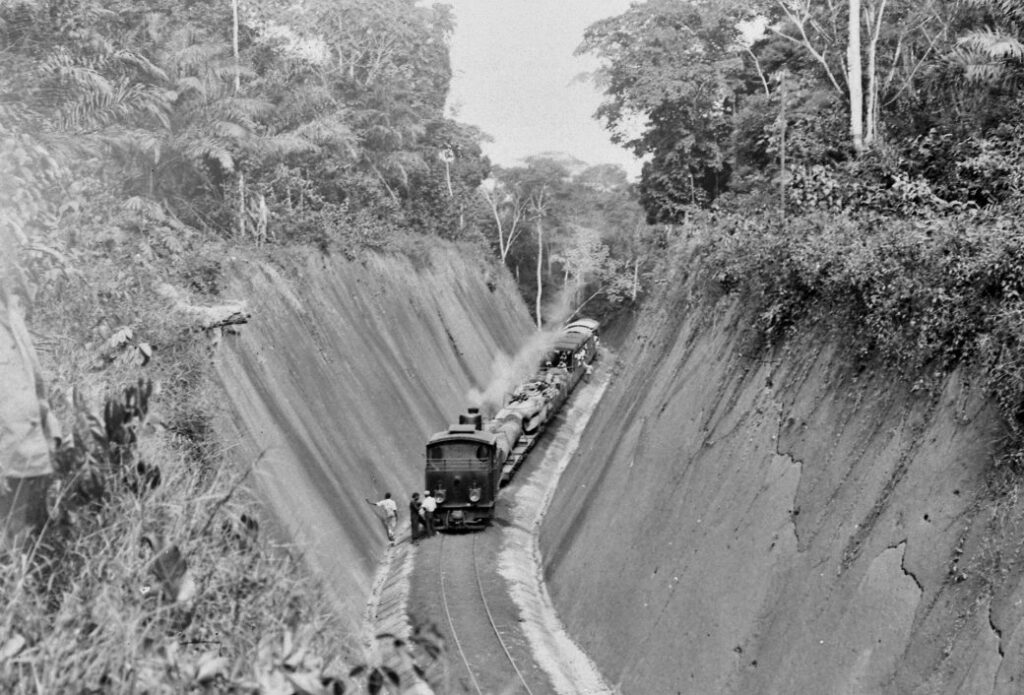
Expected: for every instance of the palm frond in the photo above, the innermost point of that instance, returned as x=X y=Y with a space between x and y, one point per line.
x=211 y=148
x=125 y=101
x=141 y=63
x=61 y=68
x=144 y=206
x=996 y=45
x=1010 y=9
x=985 y=58
x=330 y=131
x=286 y=144
x=402 y=164
x=190 y=84
x=243 y=109
x=195 y=58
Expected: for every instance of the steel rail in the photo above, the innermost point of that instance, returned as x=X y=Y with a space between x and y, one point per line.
x=451 y=623
x=490 y=619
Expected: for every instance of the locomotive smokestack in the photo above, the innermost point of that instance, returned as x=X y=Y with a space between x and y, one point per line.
x=473 y=417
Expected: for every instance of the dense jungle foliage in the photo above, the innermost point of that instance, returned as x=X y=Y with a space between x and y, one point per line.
x=142 y=142
x=866 y=174
x=161 y=129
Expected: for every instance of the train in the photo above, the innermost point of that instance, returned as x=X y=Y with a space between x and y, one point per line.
x=468 y=463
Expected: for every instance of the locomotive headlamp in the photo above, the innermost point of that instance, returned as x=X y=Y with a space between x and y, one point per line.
x=439 y=495
x=474 y=494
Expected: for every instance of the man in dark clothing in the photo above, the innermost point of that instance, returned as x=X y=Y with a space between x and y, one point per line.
x=415 y=522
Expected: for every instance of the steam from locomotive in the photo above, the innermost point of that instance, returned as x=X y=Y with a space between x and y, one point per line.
x=507 y=371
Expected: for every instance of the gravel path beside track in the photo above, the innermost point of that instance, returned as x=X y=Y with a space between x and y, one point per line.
x=519 y=561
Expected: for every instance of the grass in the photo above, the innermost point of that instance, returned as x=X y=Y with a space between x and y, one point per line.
x=152 y=573
x=94 y=605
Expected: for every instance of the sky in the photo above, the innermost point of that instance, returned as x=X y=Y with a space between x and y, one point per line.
x=515 y=78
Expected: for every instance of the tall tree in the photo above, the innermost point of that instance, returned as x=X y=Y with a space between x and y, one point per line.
x=854 y=77
x=508 y=208
x=903 y=36
x=676 y=67
x=539 y=203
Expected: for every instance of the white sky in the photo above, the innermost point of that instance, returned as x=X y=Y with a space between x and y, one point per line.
x=514 y=78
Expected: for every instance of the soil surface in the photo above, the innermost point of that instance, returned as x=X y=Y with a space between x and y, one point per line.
x=742 y=521
x=734 y=520
x=344 y=371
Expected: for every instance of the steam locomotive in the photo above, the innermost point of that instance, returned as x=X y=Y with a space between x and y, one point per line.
x=468 y=463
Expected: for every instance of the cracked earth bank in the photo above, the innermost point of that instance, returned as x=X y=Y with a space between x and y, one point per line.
x=735 y=520
x=405 y=581
x=787 y=521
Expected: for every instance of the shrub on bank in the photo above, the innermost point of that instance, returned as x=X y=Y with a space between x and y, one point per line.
x=150 y=575
x=925 y=294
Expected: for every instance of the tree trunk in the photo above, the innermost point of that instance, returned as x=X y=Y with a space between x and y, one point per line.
x=782 y=150
x=636 y=276
x=871 y=126
x=241 y=205
x=854 y=79
x=234 y=43
x=540 y=269
x=492 y=203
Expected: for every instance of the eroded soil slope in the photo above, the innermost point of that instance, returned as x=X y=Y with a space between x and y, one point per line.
x=737 y=522
x=343 y=372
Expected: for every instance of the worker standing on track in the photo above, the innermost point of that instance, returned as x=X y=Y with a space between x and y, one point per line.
x=390 y=511
x=427 y=508
x=415 y=521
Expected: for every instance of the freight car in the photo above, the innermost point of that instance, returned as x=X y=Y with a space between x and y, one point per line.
x=468 y=463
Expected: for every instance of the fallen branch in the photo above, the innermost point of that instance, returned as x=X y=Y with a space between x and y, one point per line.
x=208 y=317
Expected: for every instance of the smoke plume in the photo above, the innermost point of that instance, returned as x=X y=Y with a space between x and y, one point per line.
x=508 y=372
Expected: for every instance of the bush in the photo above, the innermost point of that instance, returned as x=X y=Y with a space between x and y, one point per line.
x=151 y=576
x=924 y=294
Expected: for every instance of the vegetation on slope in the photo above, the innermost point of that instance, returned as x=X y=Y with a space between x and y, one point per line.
x=142 y=144
x=897 y=225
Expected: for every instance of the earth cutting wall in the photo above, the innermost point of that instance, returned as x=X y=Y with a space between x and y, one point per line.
x=343 y=372
x=743 y=522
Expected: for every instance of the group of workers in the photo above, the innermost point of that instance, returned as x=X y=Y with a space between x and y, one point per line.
x=421 y=515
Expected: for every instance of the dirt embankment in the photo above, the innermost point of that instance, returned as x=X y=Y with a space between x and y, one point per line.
x=736 y=522
x=343 y=372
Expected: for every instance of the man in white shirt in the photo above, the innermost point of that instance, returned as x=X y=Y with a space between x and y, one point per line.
x=427 y=508
x=390 y=514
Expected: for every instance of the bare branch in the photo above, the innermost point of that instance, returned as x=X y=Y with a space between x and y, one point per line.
x=932 y=42
x=493 y=204
x=805 y=42
x=873 y=110
x=760 y=72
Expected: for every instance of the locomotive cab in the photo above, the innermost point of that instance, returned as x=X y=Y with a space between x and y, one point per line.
x=463 y=471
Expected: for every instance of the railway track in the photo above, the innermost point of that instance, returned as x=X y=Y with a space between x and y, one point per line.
x=476 y=634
